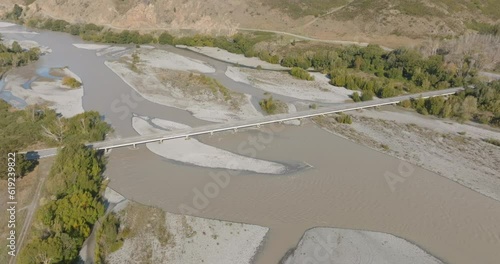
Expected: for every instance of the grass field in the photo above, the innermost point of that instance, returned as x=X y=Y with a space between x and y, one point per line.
x=300 y=8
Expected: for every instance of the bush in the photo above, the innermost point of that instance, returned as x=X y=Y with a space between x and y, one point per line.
x=344 y=119
x=355 y=97
x=71 y=82
x=493 y=141
x=302 y=74
x=268 y=105
x=367 y=96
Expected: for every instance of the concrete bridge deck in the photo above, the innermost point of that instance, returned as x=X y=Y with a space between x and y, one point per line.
x=255 y=122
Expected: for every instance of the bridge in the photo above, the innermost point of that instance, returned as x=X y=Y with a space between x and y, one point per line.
x=234 y=126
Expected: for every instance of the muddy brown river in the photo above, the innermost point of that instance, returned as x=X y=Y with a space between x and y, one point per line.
x=345 y=186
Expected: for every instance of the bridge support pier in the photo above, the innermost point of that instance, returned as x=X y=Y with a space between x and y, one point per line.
x=160 y=141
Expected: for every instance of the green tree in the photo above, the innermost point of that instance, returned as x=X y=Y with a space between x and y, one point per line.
x=468 y=108
x=435 y=105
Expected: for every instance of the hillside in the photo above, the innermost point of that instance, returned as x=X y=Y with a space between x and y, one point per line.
x=389 y=22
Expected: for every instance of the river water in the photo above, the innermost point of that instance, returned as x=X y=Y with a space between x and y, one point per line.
x=345 y=186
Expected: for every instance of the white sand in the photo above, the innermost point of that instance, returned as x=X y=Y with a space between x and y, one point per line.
x=4 y=31
x=292 y=109
x=227 y=56
x=192 y=240
x=203 y=106
x=112 y=196
x=284 y=84
x=168 y=60
x=66 y=101
x=6 y=24
x=332 y=245
x=91 y=46
x=194 y=152
x=439 y=125
x=106 y=51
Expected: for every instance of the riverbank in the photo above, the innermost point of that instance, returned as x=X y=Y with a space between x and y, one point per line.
x=158 y=237
x=232 y=58
x=453 y=150
x=334 y=245
x=282 y=83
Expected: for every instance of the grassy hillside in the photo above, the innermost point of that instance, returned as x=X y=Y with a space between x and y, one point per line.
x=300 y=8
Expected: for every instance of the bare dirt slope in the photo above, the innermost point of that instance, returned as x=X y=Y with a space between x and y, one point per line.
x=359 y=20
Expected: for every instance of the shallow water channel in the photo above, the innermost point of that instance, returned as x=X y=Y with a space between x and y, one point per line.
x=345 y=186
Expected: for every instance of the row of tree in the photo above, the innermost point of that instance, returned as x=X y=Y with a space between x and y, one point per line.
x=64 y=222
x=16 y=56
x=481 y=104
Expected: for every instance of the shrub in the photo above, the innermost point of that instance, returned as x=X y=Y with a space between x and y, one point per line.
x=344 y=119
x=268 y=105
x=302 y=74
x=355 y=97
x=367 y=96
x=493 y=141
x=71 y=82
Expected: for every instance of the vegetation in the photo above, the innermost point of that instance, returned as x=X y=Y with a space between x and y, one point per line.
x=344 y=119
x=302 y=74
x=298 y=9
x=481 y=104
x=355 y=97
x=214 y=86
x=484 y=28
x=15 y=56
x=20 y=129
x=109 y=238
x=63 y=223
x=269 y=105
x=15 y=14
x=135 y=60
x=71 y=82
x=493 y=141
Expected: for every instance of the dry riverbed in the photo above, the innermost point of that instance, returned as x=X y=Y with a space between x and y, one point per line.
x=334 y=245
x=46 y=91
x=283 y=83
x=173 y=80
x=161 y=237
